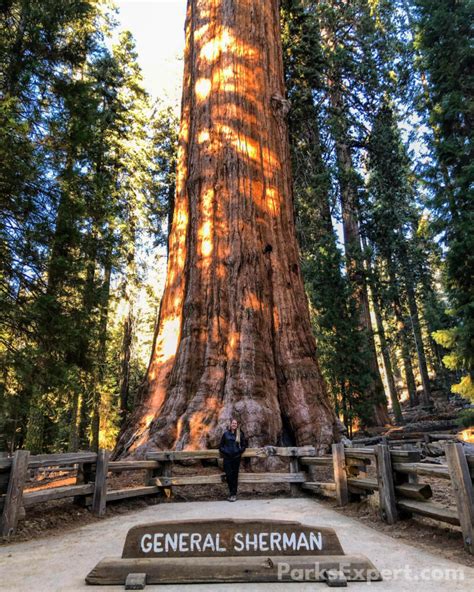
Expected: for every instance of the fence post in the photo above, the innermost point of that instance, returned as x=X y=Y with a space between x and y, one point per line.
x=388 y=505
x=14 y=497
x=84 y=476
x=99 y=500
x=340 y=475
x=295 y=488
x=462 y=487
x=411 y=477
x=167 y=471
x=162 y=470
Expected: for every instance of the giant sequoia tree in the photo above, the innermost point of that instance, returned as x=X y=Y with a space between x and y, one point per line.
x=234 y=334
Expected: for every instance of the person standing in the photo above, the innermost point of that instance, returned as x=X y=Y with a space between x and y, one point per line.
x=231 y=447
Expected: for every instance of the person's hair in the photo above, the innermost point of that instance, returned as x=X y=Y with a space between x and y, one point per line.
x=237 y=432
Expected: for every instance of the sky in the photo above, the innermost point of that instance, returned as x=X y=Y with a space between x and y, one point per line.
x=158 y=29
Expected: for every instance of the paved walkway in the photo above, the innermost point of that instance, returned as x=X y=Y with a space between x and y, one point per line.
x=59 y=564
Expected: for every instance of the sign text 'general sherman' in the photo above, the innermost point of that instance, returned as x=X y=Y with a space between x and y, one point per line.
x=190 y=542
x=229 y=538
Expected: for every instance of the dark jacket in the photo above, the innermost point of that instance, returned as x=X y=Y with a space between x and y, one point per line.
x=229 y=447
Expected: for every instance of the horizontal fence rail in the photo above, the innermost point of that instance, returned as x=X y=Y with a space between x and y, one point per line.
x=263 y=452
x=390 y=473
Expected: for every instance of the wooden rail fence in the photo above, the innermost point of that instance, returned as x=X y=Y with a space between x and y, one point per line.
x=394 y=476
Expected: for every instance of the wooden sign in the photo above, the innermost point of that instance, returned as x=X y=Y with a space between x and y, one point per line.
x=212 y=551
x=229 y=538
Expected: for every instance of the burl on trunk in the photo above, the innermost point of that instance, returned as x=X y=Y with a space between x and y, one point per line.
x=234 y=334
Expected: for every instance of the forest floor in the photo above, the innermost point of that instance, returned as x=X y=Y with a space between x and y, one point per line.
x=60 y=563
x=58 y=517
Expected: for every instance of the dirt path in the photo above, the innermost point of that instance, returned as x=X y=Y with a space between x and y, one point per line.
x=60 y=563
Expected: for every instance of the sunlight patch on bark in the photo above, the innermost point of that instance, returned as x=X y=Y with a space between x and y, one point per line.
x=199 y=33
x=205 y=234
x=225 y=42
x=273 y=200
x=203 y=137
x=203 y=88
x=251 y=301
x=199 y=425
x=169 y=338
x=224 y=79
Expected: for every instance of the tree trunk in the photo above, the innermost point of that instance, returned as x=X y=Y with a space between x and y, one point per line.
x=354 y=258
x=74 y=420
x=415 y=324
x=374 y=285
x=101 y=354
x=35 y=427
x=49 y=314
x=89 y=302
x=429 y=298
x=348 y=183
x=403 y=340
x=130 y=294
x=420 y=348
x=234 y=334
x=125 y=363
x=384 y=347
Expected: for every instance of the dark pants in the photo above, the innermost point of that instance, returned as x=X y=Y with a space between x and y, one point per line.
x=231 y=470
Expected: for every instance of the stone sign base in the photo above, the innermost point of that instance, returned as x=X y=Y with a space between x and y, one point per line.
x=228 y=551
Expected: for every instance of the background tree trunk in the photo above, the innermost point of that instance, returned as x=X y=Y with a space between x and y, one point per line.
x=418 y=338
x=403 y=339
x=385 y=350
x=234 y=334
x=375 y=395
x=129 y=295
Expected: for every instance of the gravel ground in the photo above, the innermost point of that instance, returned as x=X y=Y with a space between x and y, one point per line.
x=60 y=563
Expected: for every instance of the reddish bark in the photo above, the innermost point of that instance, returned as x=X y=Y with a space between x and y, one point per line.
x=234 y=334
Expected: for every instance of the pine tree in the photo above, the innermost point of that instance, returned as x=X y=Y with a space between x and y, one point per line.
x=340 y=343
x=40 y=41
x=347 y=58
x=78 y=120
x=392 y=216
x=443 y=40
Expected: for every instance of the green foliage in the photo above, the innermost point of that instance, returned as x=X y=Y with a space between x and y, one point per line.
x=349 y=75
x=466 y=419
x=443 y=42
x=449 y=339
x=81 y=181
x=342 y=346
